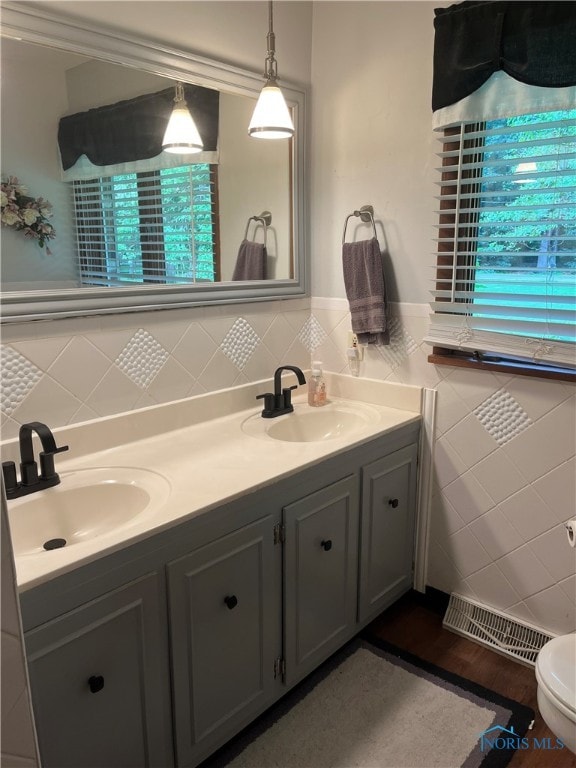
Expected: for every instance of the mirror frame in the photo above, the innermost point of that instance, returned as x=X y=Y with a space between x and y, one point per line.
x=35 y=26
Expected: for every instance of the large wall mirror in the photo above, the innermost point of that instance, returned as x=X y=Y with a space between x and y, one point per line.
x=104 y=255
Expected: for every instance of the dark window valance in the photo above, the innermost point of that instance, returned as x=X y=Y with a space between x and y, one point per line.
x=133 y=130
x=533 y=42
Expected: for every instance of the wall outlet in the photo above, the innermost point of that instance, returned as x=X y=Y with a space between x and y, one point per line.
x=353 y=344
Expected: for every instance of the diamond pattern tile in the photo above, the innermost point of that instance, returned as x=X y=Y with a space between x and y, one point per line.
x=401 y=344
x=240 y=342
x=312 y=334
x=18 y=376
x=142 y=358
x=502 y=417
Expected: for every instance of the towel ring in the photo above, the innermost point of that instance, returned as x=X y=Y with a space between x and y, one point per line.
x=366 y=214
x=265 y=218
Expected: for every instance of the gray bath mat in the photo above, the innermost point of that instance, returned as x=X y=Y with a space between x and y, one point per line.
x=375 y=706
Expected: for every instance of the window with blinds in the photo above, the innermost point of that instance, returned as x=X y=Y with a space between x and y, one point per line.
x=148 y=227
x=505 y=281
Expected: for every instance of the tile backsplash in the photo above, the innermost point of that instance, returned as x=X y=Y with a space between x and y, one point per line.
x=69 y=371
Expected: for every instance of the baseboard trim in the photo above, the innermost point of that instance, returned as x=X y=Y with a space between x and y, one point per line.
x=433 y=599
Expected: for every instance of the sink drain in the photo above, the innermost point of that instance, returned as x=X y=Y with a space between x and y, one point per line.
x=54 y=543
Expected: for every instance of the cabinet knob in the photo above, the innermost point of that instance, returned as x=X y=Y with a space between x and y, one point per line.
x=96 y=683
x=231 y=601
x=393 y=503
x=326 y=545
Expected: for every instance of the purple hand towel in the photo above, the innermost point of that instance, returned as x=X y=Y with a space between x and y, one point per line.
x=366 y=292
x=250 y=262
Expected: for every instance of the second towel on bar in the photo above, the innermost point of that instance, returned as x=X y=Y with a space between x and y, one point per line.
x=366 y=292
x=251 y=261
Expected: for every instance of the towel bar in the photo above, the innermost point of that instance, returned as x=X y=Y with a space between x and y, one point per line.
x=366 y=214
x=266 y=219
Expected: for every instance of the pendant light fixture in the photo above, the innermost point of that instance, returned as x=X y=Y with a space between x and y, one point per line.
x=271 y=118
x=181 y=136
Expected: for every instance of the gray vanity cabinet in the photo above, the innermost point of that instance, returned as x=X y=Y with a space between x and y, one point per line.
x=387 y=530
x=320 y=575
x=224 y=618
x=178 y=641
x=99 y=682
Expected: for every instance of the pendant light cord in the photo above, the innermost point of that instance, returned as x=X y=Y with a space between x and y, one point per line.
x=179 y=93
x=270 y=67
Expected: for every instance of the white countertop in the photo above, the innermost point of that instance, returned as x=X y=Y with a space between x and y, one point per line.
x=209 y=461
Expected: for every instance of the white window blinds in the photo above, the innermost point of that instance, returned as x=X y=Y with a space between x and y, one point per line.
x=149 y=227
x=505 y=278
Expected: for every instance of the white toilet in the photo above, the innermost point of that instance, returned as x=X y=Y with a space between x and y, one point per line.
x=556 y=676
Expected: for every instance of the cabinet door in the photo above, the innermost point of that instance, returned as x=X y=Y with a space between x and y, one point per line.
x=225 y=616
x=100 y=682
x=387 y=530
x=320 y=575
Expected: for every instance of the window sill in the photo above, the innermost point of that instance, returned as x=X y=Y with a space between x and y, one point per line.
x=456 y=359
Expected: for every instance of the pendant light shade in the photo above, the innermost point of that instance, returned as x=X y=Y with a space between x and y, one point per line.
x=181 y=136
x=271 y=118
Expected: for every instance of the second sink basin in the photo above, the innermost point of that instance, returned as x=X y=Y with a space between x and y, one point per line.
x=87 y=503
x=310 y=425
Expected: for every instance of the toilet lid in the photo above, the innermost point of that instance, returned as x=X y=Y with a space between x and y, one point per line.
x=556 y=667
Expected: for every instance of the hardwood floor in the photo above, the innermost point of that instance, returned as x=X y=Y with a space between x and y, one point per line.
x=418 y=629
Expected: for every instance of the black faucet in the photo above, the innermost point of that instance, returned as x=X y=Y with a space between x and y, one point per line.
x=280 y=401
x=30 y=480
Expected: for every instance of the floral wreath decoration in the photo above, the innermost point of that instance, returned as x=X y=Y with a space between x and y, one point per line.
x=25 y=214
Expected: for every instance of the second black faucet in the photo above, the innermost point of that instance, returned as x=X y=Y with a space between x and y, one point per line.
x=280 y=401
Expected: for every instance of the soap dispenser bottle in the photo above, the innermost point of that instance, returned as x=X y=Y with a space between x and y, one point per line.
x=316 y=386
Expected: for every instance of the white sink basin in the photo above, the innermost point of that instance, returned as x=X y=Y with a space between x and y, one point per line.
x=87 y=503
x=310 y=425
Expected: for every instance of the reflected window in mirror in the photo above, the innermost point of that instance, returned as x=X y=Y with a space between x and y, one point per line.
x=149 y=227
x=143 y=214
